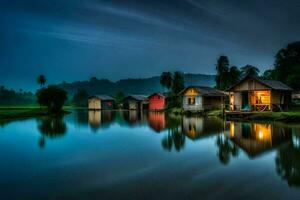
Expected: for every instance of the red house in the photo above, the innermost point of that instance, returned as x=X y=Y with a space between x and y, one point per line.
x=157 y=101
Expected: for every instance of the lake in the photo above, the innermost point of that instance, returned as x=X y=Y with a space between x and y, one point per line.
x=132 y=155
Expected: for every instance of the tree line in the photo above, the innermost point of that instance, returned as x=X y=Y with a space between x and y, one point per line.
x=286 y=69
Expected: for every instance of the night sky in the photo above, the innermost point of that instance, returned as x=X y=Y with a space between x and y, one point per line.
x=75 y=40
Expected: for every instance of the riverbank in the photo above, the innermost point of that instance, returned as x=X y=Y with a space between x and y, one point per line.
x=9 y=113
x=288 y=117
x=292 y=116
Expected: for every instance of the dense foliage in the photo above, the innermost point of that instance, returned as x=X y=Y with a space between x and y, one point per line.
x=174 y=83
x=12 y=97
x=80 y=98
x=287 y=65
x=52 y=97
x=119 y=99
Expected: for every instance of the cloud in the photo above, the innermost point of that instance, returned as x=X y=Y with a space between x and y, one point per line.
x=139 y=16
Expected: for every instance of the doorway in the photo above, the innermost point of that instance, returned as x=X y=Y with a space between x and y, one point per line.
x=245 y=101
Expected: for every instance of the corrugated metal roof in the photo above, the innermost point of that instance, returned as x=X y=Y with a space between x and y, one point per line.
x=207 y=91
x=276 y=85
x=103 y=97
x=272 y=84
x=138 y=97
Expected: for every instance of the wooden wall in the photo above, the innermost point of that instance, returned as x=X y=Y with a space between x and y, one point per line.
x=249 y=84
x=94 y=104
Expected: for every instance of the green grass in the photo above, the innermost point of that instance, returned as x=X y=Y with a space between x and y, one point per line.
x=17 y=112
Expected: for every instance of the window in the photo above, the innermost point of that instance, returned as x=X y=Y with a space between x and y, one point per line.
x=191 y=101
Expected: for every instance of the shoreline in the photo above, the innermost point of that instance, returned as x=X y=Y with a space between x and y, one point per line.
x=8 y=114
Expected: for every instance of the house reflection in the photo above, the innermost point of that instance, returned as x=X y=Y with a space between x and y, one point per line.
x=195 y=127
x=134 y=117
x=256 y=138
x=157 y=121
x=100 y=119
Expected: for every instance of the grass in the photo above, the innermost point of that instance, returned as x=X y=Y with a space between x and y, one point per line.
x=292 y=116
x=18 y=112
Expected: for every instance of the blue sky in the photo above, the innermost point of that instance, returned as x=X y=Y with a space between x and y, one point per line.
x=75 y=40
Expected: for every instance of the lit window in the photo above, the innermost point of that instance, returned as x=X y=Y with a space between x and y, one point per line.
x=191 y=101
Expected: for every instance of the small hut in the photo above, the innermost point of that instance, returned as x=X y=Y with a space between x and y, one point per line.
x=101 y=102
x=135 y=102
x=258 y=94
x=198 y=98
x=157 y=101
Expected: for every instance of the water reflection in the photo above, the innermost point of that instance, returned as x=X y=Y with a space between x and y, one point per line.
x=195 y=127
x=226 y=149
x=157 y=121
x=197 y=146
x=100 y=119
x=50 y=127
x=288 y=161
x=257 y=138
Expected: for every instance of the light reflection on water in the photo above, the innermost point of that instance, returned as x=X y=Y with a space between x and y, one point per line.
x=141 y=155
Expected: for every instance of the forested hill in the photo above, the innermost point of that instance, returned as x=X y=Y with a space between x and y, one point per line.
x=132 y=86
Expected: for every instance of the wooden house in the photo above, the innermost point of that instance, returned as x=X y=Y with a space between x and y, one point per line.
x=100 y=102
x=258 y=94
x=198 y=98
x=157 y=101
x=135 y=102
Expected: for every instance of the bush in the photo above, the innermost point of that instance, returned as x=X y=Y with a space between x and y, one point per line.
x=52 y=97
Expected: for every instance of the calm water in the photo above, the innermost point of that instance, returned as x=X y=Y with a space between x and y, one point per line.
x=129 y=155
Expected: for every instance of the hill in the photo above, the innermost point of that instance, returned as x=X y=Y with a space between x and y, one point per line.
x=132 y=86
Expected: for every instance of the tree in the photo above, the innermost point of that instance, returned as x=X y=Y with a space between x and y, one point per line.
x=178 y=82
x=119 y=98
x=269 y=74
x=166 y=79
x=234 y=74
x=249 y=70
x=222 y=68
x=41 y=80
x=80 y=98
x=174 y=83
x=52 y=97
x=287 y=65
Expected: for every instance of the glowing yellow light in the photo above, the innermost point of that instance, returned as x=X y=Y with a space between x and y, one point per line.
x=261 y=135
x=231 y=129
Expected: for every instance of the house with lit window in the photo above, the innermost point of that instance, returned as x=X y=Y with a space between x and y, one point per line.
x=101 y=102
x=258 y=94
x=199 y=98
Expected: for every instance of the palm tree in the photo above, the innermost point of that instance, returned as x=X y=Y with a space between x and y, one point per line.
x=250 y=70
x=166 y=79
x=234 y=74
x=41 y=80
